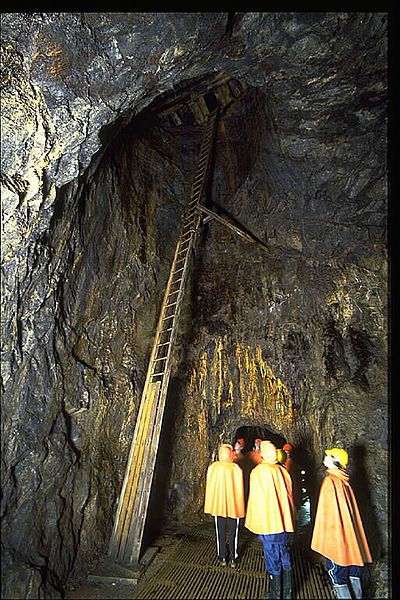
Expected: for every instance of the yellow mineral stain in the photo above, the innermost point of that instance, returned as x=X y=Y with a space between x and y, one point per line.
x=257 y=388
x=342 y=303
x=217 y=374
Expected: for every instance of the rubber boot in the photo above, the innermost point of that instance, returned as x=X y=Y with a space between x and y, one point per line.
x=267 y=585
x=287 y=584
x=342 y=591
x=356 y=586
x=274 y=587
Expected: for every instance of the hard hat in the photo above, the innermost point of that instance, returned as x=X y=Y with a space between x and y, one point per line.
x=339 y=454
x=268 y=451
x=281 y=455
x=287 y=447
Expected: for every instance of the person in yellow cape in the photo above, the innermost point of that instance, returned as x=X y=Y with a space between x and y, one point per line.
x=224 y=500
x=271 y=515
x=338 y=532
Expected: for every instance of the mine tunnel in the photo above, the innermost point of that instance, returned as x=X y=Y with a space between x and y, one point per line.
x=266 y=207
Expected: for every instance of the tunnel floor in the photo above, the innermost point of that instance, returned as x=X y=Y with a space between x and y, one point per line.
x=185 y=566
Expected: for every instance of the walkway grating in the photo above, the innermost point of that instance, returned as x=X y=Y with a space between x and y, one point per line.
x=190 y=570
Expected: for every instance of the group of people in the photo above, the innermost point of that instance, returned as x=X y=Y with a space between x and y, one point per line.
x=268 y=508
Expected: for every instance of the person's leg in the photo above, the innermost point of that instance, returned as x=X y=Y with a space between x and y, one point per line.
x=220 y=531
x=340 y=580
x=286 y=562
x=273 y=567
x=355 y=573
x=233 y=539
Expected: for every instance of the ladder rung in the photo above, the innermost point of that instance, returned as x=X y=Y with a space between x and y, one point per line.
x=199 y=178
x=170 y=317
x=161 y=358
x=157 y=374
x=188 y=228
x=172 y=304
x=175 y=292
x=178 y=271
x=189 y=220
x=186 y=241
x=165 y=330
x=163 y=344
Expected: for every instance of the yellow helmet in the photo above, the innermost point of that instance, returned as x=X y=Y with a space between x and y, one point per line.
x=339 y=454
x=281 y=456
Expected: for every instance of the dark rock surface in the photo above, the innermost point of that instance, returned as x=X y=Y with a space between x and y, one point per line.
x=93 y=187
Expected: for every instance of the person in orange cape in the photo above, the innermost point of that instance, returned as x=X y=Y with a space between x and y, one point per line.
x=254 y=456
x=238 y=455
x=271 y=515
x=293 y=468
x=224 y=500
x=338 y=532
x=288 y=448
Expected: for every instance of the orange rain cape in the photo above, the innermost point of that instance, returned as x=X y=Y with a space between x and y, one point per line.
x=254 y=458
x=338 y=530
x=224 y=495
x=270 y=505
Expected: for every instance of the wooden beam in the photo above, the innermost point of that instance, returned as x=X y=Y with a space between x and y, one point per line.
x=248 y=237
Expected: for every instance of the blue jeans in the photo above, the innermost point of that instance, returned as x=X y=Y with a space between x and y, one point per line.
x=276 y=552
x=340 y=575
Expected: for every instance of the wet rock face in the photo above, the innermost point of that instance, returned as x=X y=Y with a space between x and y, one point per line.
x=291 y=339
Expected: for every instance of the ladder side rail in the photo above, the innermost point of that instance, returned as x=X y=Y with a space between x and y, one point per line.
x=129 y=477
x=142 y=504
x=168 y=365
x=125 y=502
x=123 y=550
x=119 y=520
x=126 y=489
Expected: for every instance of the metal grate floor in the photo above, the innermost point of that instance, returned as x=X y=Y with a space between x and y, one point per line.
x=190 y=570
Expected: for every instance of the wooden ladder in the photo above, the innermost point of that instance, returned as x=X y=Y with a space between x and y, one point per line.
x=126 y=538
